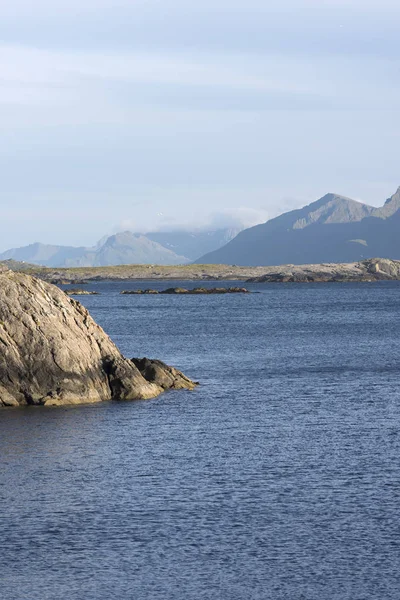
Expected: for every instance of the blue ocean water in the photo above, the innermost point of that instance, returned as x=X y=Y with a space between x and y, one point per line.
x=278 y=478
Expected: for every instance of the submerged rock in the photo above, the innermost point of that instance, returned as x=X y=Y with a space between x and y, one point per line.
x=53 y=353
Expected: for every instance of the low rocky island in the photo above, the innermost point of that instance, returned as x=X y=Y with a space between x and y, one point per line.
x=53 y=352
x=77 y=292
x=178 y=290
x=366 y=270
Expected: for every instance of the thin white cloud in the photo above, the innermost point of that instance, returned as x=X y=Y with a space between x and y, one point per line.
x=75 y=80
x=36 y=67
x=229 y=218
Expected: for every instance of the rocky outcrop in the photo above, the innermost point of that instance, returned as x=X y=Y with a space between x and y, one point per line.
x=138 y=292
x=374 y=269
x=161 y=374
x=53 y=353
x=77 y=292
x=382 y=268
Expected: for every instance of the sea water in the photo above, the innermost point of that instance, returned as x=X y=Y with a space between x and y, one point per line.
x=278 y=478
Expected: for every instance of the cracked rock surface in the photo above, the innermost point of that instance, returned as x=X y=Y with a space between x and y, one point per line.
x=53 y=353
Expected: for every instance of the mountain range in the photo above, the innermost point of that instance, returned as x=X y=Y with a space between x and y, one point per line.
x=161 y=248
x=333 y=229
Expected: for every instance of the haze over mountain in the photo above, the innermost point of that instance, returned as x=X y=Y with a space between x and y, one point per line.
x=162 y=248
x=332 y=229
x=193 y=244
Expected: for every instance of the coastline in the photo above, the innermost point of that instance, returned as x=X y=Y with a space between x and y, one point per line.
x=375 y=269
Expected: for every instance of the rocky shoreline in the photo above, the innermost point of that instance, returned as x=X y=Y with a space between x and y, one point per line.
x=367 y=270
x=376 y=269
x=53 y=353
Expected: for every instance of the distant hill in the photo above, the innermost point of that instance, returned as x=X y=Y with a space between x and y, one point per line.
x=15 y=265
x=133 y=248
x=333 y=229
x=45 y=254
x=162 y=248
x=119 y=249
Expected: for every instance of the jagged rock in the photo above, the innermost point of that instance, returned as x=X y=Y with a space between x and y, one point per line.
x=125 y=381
x=52 y=352
x=6 y=398
x=157 y=372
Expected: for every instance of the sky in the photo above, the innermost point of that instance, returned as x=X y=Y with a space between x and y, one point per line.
x=157 y=114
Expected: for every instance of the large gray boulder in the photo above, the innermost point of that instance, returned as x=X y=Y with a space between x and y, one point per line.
x=383 y=268
x=53 y=353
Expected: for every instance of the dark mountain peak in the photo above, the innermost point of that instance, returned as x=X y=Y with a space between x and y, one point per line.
x=331 y=197
x=331 y=208
x=332 y=229
x=123 y=238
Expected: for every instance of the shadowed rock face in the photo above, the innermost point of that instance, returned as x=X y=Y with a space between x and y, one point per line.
x=165 y=376
x=53 y=353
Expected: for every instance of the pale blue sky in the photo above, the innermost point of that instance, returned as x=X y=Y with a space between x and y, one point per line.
x=146 y=114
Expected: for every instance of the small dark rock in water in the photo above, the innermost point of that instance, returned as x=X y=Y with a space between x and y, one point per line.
x=205 y=291
x=175 y=291
x=76 y=292
x=139 y=292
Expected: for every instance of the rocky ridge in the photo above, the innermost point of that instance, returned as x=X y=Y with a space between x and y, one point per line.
x=374 y=269
x=334 y=229
x=53 y=352
x=162 y=247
